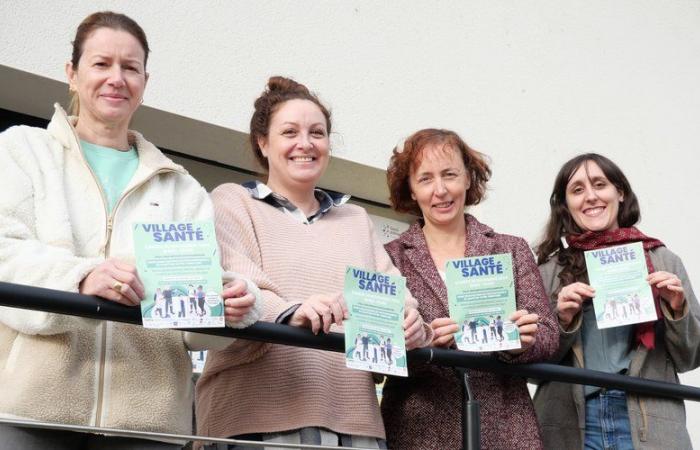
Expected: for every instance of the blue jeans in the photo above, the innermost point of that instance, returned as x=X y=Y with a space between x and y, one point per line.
x=607 y=422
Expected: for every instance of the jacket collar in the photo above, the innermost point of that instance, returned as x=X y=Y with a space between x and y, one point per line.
x=480 y=241
x=151 y=159
x=479 y=237
x=327 y=199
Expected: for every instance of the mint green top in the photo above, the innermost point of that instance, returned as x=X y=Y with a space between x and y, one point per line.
x=113 y=168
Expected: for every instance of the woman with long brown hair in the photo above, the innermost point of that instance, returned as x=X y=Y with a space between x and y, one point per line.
x=593 y=206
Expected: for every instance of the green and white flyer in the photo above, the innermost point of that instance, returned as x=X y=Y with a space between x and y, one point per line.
x=374 y=339
x=481 y=296
x=178 y=263
x=623 y=295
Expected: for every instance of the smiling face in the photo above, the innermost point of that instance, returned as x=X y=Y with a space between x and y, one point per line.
x=592 y=200
x=439 y=185
x=110 y=78
x=296 y=146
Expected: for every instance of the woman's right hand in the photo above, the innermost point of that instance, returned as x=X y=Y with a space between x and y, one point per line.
x=444 y=330
x=319 y=312
x=114 y=280
x=238 y=301
x=570 y=299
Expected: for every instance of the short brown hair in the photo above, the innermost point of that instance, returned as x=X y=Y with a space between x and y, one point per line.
x=407 y=157
x=95 y=21
x=278 y=90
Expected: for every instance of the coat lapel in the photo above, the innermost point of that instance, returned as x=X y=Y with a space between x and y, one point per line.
x=480 y=238
x=418 y=255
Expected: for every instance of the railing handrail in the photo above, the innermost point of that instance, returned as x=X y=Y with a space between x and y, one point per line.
x=70 y=303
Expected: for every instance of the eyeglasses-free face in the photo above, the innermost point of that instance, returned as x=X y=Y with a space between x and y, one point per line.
x=592 y=200
x=296 y=146
x=439 y=185
x=110 y=78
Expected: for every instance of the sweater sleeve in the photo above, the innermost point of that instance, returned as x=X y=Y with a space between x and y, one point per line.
x=384 y=264
x=530 y=295
x=682 y=335
x=35 y=244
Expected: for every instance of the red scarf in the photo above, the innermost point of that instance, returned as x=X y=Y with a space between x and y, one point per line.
x=594 y=240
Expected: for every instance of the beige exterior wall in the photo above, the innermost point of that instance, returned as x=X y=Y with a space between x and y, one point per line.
x=529 y=83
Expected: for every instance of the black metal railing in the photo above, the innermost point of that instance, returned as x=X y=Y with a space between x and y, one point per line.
x=49 y=300
x=29 y=297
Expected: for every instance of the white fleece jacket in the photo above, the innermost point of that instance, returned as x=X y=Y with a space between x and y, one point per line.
x=54 y=229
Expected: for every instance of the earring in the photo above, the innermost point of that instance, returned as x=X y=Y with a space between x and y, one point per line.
x=564 y=243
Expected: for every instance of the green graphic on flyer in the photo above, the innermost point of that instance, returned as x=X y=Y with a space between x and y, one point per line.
x=178 y=263
x=623 y=295
x=374 y=337
x=481 y=296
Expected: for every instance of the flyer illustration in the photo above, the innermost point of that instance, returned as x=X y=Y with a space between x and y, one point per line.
x=623 y=295
x=374 y=337
x=178 y=263
x=481 y=297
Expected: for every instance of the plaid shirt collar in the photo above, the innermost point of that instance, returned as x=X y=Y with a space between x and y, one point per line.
x=326 y=199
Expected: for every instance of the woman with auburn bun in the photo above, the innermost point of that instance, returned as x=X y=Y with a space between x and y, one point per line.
x=593 y=207
x=70 y=195
x=295 y=241
x=435 y=175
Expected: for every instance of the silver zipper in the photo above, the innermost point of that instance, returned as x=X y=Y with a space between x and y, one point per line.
x=109 y=222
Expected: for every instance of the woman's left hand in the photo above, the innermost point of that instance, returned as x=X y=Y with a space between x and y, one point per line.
x=527 y=327
x=444 y=329
x=238 y=302
x=670 y=288
x=414 y=332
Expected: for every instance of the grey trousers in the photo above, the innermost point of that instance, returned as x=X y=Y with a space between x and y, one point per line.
x=21 y=438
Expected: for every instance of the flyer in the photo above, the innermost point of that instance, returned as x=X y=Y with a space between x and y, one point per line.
x=623 y=295
x=198 y=360
x=374 y=337
x=481 y=297
x=178 y=263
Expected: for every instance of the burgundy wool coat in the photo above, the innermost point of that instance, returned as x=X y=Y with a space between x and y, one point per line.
x=424 y=411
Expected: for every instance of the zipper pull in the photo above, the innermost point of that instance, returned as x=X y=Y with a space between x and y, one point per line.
x=108 y=235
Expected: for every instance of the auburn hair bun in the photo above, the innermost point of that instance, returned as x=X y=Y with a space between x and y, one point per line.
x=277 y=91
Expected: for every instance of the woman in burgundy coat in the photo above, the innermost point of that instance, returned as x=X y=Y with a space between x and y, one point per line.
x=434 y=174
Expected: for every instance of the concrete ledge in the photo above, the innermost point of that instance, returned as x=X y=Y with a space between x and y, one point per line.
x=213 y=154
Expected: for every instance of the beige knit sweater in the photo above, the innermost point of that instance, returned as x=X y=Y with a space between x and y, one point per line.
x=258 y=387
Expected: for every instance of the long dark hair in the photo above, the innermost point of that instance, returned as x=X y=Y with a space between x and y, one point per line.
x=562 y=224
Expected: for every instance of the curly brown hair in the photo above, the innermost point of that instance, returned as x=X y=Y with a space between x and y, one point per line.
x=278 y=90
x=407 y=157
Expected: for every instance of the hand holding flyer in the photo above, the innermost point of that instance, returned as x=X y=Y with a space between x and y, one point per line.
x=374 y=336
x=481 y=295
x=179 y=265
x=623 y=295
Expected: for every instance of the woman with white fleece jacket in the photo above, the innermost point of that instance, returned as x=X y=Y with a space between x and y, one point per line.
x=69 y=196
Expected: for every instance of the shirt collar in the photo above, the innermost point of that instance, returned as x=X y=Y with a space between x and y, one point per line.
x=327 y=199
